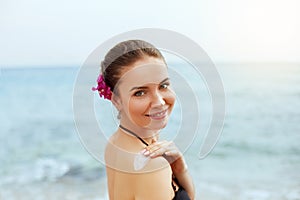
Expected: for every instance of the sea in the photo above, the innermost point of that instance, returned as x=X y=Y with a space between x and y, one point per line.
x=256 y=157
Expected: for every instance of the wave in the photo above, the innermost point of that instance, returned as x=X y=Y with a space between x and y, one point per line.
x=50 y=170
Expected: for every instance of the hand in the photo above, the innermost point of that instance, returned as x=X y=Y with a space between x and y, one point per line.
x=170 y=152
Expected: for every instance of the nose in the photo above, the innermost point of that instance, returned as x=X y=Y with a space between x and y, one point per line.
x=157 y=99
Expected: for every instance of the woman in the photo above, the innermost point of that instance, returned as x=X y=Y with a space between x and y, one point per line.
x=139 y=166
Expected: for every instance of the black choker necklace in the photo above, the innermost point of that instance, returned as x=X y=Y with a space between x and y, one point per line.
x=132 y=133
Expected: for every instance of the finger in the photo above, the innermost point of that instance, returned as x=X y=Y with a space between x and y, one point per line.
x=159 y=148
x=155 y=146
x=162 y=148
x=158 y=152
x=150 y=150
x=172 y=153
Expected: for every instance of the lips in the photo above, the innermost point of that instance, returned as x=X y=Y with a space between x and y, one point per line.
x=158 y=115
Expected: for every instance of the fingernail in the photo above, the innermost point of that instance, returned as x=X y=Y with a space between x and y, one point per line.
x=143 y=151
x=146 y=153
x=152 y=154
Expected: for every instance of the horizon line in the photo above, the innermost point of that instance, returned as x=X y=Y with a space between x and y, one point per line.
x=45 y=66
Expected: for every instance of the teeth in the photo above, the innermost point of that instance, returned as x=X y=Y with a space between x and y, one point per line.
x=158 y=114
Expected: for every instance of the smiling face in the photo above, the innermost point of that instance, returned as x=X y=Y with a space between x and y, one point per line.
x=144 y=97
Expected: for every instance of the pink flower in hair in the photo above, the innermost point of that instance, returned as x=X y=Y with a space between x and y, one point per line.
x=103 y=89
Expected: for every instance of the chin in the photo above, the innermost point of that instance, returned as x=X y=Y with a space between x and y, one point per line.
x=157 y=125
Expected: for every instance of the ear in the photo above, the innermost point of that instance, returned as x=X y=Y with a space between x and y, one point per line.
x=115 y=99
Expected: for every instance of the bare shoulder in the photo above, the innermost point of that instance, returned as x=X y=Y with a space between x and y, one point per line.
x=152 y=181
x=156 y=182
x=122 y=158
x=142 y=185
x=118 y=157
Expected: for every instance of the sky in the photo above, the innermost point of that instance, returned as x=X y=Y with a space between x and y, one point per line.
x=65 y=32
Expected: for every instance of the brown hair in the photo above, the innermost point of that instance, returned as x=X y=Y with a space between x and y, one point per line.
x=123 y=55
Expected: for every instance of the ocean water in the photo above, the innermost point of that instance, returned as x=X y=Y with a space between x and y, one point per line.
x=256 y=157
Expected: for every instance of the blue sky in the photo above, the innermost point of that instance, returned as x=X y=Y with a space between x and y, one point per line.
x=40 y=32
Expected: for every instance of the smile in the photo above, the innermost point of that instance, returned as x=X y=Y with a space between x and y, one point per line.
x=158 y=115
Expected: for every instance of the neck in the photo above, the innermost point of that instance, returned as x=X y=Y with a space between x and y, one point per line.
x=145 y=136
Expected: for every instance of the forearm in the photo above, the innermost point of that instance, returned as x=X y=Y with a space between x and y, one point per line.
x=184 y=178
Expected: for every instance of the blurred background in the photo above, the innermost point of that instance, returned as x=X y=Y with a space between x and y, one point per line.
x=255 y=46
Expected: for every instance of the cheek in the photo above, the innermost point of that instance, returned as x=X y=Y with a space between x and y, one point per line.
x=137 y=107
x=170 y=98
x=137 y=111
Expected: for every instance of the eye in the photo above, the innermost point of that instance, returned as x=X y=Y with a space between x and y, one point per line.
x=164 y=86
x=139 y=93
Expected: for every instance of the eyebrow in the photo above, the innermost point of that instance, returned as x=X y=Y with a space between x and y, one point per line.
x=144 y=87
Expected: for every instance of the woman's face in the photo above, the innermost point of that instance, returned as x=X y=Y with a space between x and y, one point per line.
x=145 y=98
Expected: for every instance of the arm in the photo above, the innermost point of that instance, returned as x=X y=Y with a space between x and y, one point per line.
x=181 y=173
x=155 y=185
x=124 y=183
x=171 y=153
x=141 y=186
